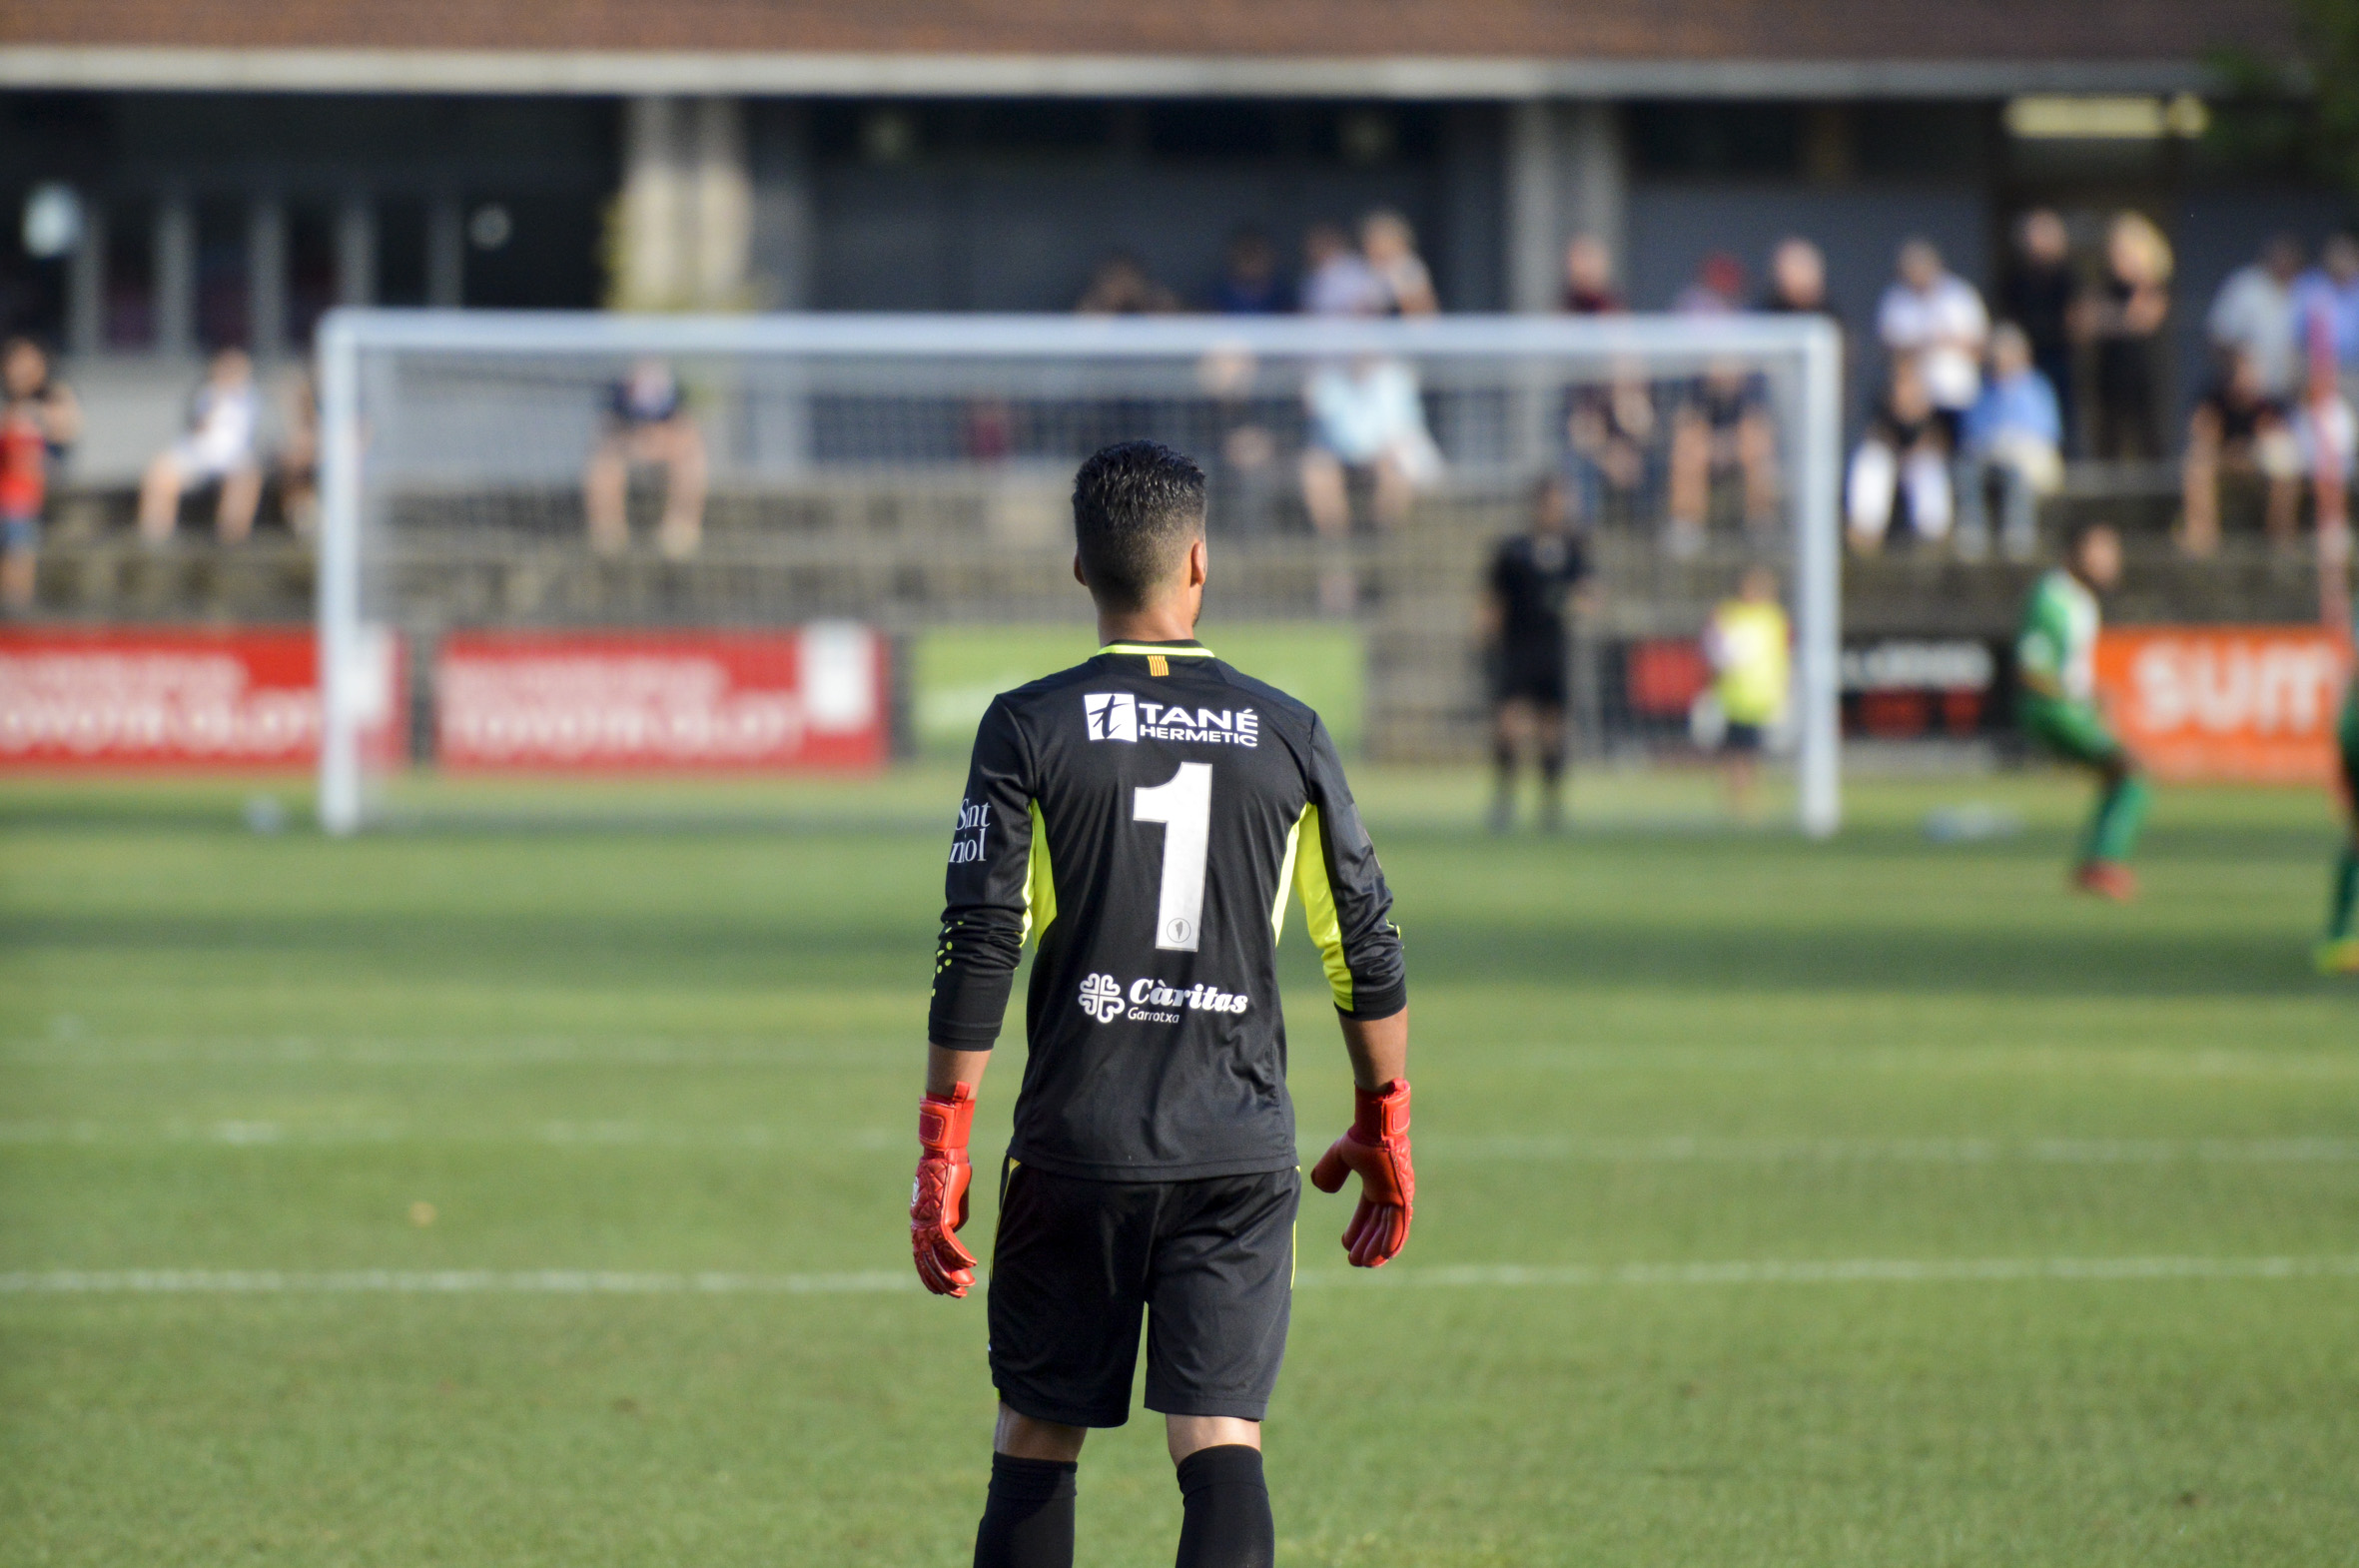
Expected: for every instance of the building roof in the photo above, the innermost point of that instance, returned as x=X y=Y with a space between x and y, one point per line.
x=1437 y=48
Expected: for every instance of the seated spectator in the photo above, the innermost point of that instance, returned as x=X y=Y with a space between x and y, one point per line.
x=1389 y=247
x=1932 y=315
x=2253 y=313
x=217 y=448
x=299 y=454
x=2012 y=438
x=2239 y=432
x=1589 y=279
x=2326 y=311
x=1613 y=440
x=1901 y=468
x=1798 y=280
x=1718 y=289
x=1250 y=283
x=648 y=424
x=2126 y=319
x=1366 y=419
x=1121 y=287
x=38 y=420
x=1337 y=281
x=1722 y=427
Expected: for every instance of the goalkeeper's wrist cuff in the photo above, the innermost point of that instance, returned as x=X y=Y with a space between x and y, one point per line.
x=943 y=1120
x=1381 y=1112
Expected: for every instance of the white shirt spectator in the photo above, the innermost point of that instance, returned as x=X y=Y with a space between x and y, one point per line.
x=219 y=440
x=2254 y=314
x=1943 y=326
x=1345 y=284
x=1371 y=412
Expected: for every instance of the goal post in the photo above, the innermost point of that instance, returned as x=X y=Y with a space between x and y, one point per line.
x=898 y=471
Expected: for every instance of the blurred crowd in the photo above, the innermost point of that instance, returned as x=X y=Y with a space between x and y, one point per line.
x=1975 y=409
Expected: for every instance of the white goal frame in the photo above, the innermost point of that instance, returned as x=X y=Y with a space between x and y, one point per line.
x=1810 y=442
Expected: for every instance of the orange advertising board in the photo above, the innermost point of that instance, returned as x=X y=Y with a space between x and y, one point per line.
x=2224 y=703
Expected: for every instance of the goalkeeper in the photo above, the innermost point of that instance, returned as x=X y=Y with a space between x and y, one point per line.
x=1142 y=816
x=2056 y=700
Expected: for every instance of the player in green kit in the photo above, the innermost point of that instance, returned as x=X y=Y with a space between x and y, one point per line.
x=2339 y=952
x=2056 y=700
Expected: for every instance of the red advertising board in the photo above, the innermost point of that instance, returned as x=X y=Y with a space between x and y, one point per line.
x=688 y=702
x=2228 y=703
x=123 y=697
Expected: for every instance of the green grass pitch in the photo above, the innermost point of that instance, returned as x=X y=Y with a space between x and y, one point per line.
x=1872 y=1202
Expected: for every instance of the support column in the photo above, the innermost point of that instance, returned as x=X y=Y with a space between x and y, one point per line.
x=445 y=253
x=86 y=282
x=1566 y=175
x=174 y=275
x=723 y=207
x=781 y=261
x=355 y=251
x=1533 y=250
x=266 y=277
x=649 y=270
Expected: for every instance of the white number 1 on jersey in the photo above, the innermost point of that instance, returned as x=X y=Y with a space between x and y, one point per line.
x=1185 y=807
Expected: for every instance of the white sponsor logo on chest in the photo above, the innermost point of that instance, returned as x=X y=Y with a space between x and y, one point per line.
x=1118 y=715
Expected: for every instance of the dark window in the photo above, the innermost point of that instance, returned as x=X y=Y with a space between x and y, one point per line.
x=1716 y=141
x=1921 y=140
x=1212 y=130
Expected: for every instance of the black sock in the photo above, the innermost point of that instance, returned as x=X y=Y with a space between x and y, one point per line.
x=1227 y=1522
x=1028 y=1523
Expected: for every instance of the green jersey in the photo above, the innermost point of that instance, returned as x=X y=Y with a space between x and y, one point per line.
x=2059 y=635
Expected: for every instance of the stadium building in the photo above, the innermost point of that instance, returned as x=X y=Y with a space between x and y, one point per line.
x=238 y=169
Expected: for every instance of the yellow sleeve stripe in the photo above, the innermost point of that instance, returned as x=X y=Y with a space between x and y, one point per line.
x=1285 y=880
x=1040 y=887
x=1319 y=906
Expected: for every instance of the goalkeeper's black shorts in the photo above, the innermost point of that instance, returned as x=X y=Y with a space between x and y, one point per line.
x=1209 y=1262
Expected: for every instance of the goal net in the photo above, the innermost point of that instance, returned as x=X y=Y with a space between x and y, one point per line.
x=556 y=545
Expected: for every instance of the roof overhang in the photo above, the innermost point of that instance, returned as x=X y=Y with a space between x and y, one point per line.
x=632 y=73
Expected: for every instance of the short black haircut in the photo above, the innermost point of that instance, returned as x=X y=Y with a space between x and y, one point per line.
x=1136 y=506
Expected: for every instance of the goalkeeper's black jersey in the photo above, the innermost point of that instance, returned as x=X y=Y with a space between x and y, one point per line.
x=1144 y=816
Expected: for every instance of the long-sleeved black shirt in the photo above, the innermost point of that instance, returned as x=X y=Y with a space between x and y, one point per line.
x=1144 y=815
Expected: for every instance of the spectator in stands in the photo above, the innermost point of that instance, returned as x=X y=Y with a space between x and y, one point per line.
x=1250 y=283
x=648 y=424
x=1613 y=440
x=217 y=448
x=1120 y=286
x=1367 y=421
x=2253 y=315
x=2326 y=311
x=1931 y=315
x=1337 y=281
x=1722 y=427
x=1718 y=289
x=1537 y=579
x=1389 y=247
x=2012 y=439
x=1796 y=281
x=2326 y=438
x=2039 y=294
x=2125 y=318
x=2238 y=432
x=1900 y=466
x=38 y=420
x=298 y=454
x=1589 y=279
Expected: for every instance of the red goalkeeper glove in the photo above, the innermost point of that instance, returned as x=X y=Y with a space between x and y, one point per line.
x=1378 y=1148
x=938 y=1199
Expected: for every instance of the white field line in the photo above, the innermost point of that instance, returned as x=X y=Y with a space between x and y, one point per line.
x=570 y=1281
x=251 y=1132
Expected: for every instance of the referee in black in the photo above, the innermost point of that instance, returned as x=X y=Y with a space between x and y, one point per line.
x=1535 y=577
x=1143 y=816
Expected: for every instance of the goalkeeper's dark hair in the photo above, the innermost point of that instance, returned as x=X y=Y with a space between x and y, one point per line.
x=1136 y=506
